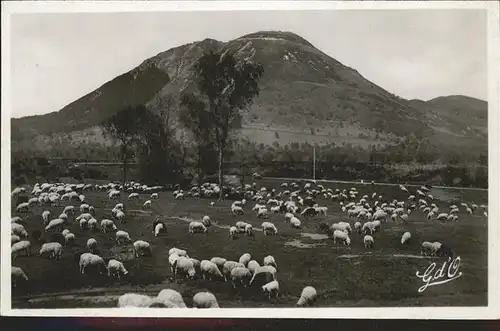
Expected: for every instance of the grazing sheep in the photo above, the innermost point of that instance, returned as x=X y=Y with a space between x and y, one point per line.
x=18 y=230
x=92 y=245
x=240 y=275
x=52 y=250
x=245 y=258
x=264 y=273
x=69 y=210
x=95 y=262
x=133 y=196
x=233 y=232
x=368 y=241
x=252 y=266
x=368 y=227
x=357 y=227
x=122 y=237
x=270 y=261
x=344 y=237
x=179 y=252
x=295 y=223
x=262 y=213
x=237 y=210
x=46 y=217
x=134 y=300
x=69 y=238
x=21 y=246
x=142 y=248
x=249 y=230
x=427 y=248
x=22 y=207
x=160 y=228
x=14 y=239
x=168 y=295
x=154 y=196
x=206 y=221
x=55 y=224
x=92 y=224
x=405 y=238
x=147 y=204
x=205 y=300
x=197 y=227
x=307 y=297
x=269 y=229
x=184 y=266
x=17 y=275
x=107 y=225
x=270 y=288
x=210 y=270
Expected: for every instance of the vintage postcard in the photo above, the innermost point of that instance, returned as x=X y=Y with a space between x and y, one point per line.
x=302 y=159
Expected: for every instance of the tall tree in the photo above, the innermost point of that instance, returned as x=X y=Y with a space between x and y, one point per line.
x=229 y=85
x=123 y=127
x=195 y=117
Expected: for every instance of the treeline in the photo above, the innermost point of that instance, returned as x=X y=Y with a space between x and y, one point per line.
x=386 y=164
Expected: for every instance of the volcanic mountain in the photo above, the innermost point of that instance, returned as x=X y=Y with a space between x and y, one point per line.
x=305 y=95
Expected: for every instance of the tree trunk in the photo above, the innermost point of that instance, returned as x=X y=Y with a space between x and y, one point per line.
x=221 y=171
x=124 y=165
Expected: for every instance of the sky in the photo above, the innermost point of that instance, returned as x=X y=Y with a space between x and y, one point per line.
x=415 y=54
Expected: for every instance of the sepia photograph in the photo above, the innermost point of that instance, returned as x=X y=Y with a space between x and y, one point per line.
x=328 y=156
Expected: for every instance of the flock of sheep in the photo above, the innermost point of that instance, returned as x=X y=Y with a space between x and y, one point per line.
x=296 y=202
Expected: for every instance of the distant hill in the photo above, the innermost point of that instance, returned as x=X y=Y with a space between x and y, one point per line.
x=305 y=95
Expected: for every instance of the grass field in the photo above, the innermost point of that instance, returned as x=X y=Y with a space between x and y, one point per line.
x=344 y=276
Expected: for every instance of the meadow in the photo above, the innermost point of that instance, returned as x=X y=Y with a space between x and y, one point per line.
x=344 y=276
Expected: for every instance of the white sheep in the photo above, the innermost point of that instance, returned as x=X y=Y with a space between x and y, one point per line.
x=307 y=297
x=172 y=260
x=46 y=217
x=228 y=266
x=270 y=288
x=142 y=247
x=17 y=274
x=368 y=241
x=147 y=204
x=270 y=261
x=84 y=208
x=245 y=258
x=197 y=227
x=19 y=230
x=68 y=210
x=55 y=223
x=288 y=217
x=107 y=225
x=240 y=225
x=133 y=196
x=240 y=275
x=184 y=266
x=21 y=246
x=69 y=238
x=344 y=237
x=15 y=219
x=262 y=213
x=427 y=248
x=357 y=227
x=92 y=245
x=210 y=270
x=368 y=227
x=268 y=271
x=269 y=228
x=122 y=237
x=233 y=232
x=154 y=196
x=405 y=238
x=52 y=250
x=179 y=252
x=116 y=267
x=206 y=221
x=252 y=266
x=23 y=207
x=94 y=261
x=171 y=296
x=205 y=300
x=237 y=210
x=249 y=230
x=159 y=228
x=295 y=223
x=14 y=239
x=135 y=300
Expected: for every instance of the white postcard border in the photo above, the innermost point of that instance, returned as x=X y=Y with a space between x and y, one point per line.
x=490 y=312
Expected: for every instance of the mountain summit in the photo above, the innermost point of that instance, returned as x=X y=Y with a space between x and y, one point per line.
x=305 y=95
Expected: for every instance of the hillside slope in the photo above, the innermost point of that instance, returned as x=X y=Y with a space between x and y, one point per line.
x=304 y=92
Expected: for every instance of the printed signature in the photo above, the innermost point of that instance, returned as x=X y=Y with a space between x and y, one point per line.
x=449 y=271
